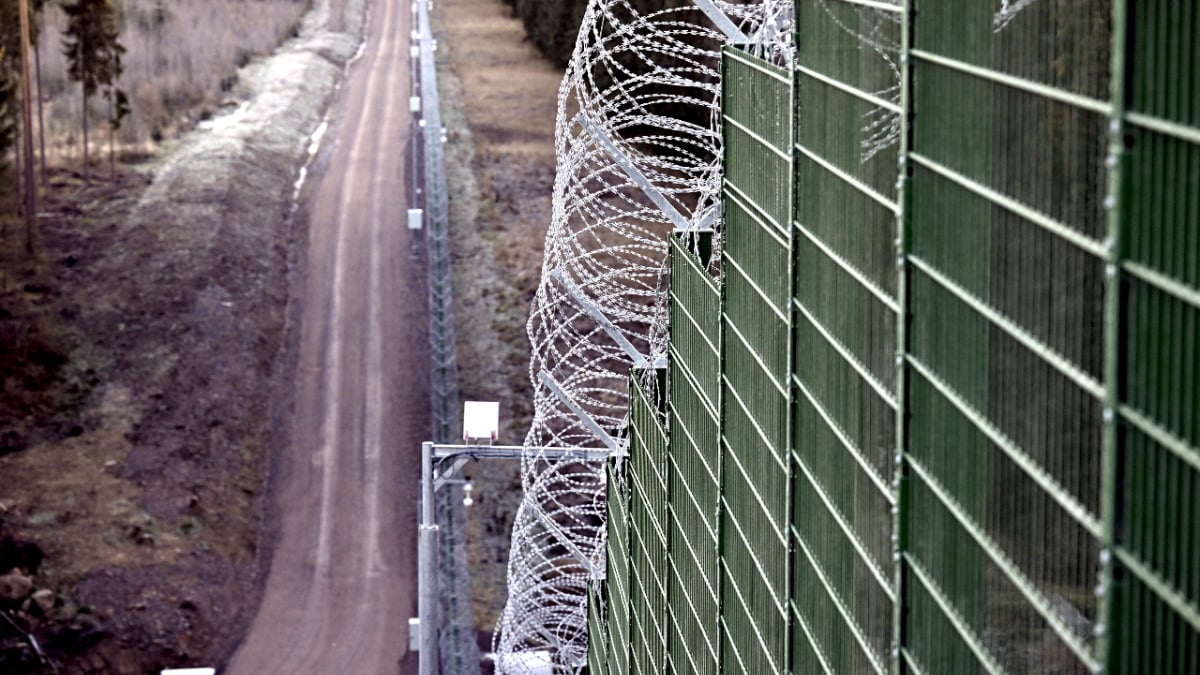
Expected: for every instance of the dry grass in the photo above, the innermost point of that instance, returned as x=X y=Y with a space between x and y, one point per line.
x=180 y=66
x=500 y=104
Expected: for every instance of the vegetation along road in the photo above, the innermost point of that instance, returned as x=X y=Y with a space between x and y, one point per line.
x=341 y=584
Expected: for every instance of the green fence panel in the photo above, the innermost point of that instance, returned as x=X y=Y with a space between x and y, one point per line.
x=1006 y=335
x=694 y=463
x=1156 y=604
x=755 y=391
x=617 y=595
x=598 y=642
x=647 y=526
x=941 y=414
x=847 y=89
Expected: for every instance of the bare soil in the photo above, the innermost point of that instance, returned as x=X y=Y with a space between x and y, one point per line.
x=500 y=100
x=133 y=451
x=143 y=359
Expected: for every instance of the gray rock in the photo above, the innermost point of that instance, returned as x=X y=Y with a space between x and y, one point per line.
x=44 y=600
x=15 y=586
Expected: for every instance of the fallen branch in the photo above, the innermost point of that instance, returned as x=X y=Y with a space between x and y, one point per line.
x=37 y=648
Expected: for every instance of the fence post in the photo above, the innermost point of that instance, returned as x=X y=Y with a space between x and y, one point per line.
x=1112 y=328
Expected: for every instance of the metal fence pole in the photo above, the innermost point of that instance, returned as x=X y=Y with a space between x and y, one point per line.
x=427 y=597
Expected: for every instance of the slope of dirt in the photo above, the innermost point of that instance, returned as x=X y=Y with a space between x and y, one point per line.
x=142 y=382
x=500 y=99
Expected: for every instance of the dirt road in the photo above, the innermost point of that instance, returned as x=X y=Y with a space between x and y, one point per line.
x=342 y=580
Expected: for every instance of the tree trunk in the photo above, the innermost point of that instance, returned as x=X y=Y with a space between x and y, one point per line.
x=27 y=133
x=112 y=144
x=37 y=59
x=86 y=167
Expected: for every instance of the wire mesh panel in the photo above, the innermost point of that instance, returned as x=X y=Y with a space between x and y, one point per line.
x=847 y=124
x=694 y=464
x=598 y=641
x=755 y=393
x=1008 y=479
x=616 y=574
x=647 y=529
x=1157 y=587
x=1006 y=300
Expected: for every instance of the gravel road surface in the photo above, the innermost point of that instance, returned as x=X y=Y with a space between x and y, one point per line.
x=342 y=579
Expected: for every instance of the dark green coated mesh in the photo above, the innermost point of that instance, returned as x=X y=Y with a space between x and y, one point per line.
x=941 y=414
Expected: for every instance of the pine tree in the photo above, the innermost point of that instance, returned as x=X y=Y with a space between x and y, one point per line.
x=10 y=69
x=118 y=110
x=93 y=49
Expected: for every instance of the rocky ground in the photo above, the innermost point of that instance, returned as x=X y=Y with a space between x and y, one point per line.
x=141 y=365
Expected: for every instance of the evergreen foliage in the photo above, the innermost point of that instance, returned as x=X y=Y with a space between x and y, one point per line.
x=10 y=69
x=9 y=109
x=552 y=25
x=92 y=45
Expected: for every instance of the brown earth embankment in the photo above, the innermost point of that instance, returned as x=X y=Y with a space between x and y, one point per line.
x=166 y=311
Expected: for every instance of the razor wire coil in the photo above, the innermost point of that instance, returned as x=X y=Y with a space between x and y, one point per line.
x=638 y=141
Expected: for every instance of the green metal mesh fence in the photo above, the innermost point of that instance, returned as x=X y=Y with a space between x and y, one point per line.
x=1008 y=479
x=694 y=471
x=616 y=593
x=647 y=532
x=1156 y=604
x=753 y=527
